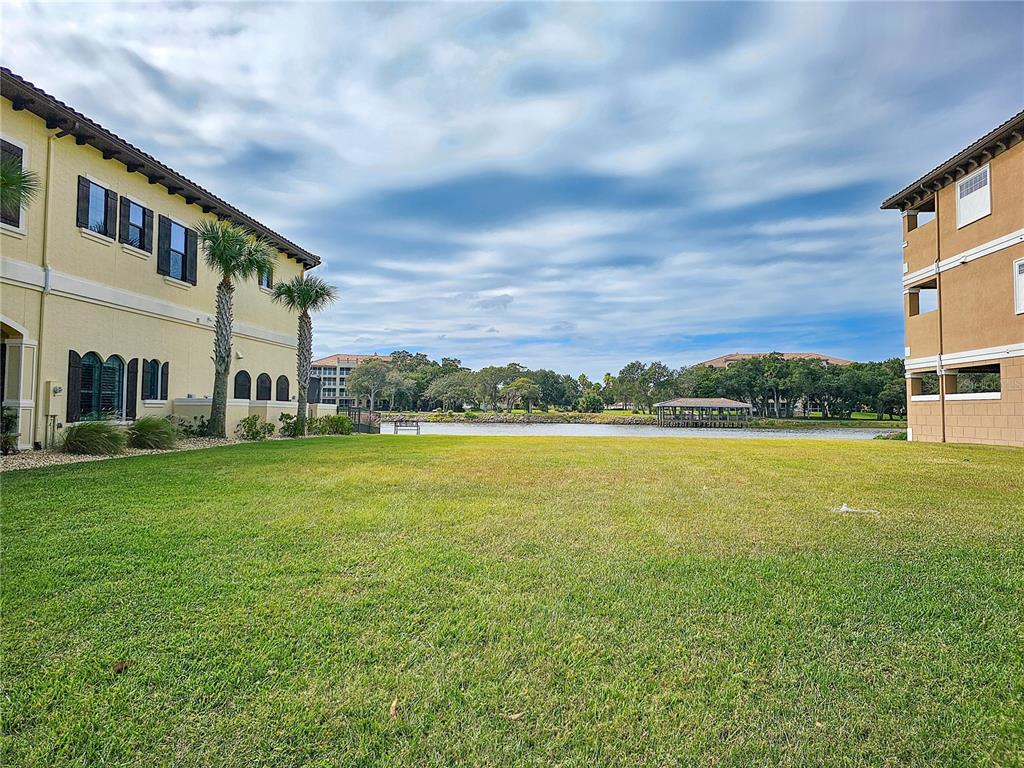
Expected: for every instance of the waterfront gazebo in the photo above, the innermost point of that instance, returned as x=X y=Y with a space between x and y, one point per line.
x=702 y=412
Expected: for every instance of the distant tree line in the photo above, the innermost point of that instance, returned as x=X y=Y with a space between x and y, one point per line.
x=773 y=385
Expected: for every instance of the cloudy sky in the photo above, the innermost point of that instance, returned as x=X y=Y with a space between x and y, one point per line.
x=571 y=186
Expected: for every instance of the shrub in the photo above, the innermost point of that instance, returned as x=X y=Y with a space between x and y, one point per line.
x=194 y=427
x=254 y=428
x=96 y=438
x=590 y=403
x=287 y=428
x=337 y=424
x=152 y=432
x=316 y=425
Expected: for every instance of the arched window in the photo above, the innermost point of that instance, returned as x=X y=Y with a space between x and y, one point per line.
x=282 y=388
x=150 y=379
x=243 y=386
x=101 y=388
x=263 y=387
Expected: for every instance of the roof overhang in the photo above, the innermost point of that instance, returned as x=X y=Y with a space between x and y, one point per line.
x=980 y=152
x=68 y=122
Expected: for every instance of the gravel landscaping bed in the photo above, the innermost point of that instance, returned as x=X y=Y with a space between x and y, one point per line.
x=50 y=457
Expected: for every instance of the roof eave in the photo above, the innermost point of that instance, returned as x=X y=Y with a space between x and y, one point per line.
x=59 y=116
x=980 y=152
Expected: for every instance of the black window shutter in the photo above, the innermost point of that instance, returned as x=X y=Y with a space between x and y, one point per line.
x=163 y=247
x=111 y=213
x=123 y=232
x=313 y=390
x=131 y=393
x=146 y=383
x=83 y=201
x=191 y=255
x=165 y=374
x=270 y=279
x=147 y=230
x=74 y=386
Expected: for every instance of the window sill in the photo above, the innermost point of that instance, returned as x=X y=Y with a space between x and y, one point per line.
x=177 y=283
x=975 y=396
x=136 y=252
x=924 y=398
x=267 y=291
x=88 y=234
x=154 y=403
x=11 y=231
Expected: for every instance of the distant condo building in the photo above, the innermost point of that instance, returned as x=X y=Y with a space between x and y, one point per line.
x=333 y=371
x=724 y=361
x=963 y=293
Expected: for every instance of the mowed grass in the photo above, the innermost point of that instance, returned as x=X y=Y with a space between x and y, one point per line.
x=443 y=601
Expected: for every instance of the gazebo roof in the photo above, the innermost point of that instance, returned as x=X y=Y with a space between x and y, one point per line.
x=702 y=402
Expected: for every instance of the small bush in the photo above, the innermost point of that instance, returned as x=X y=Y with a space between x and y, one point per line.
x=197 y=426
x=152 y=432
x=95 y=438
x=288 y=425
x=8 y=437
x=337 y=424
x=254 y=428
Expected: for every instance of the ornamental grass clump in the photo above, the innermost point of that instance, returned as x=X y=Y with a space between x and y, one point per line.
x=152 y=432
x=95 y=438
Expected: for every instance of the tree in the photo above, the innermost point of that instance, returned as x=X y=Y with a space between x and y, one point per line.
x=395 y=385
x=19 y=186
x=303 y=295
x=452 y=390
x=521 y=390
x=489 y=381
x=590 y=402
x=629 y=383
x=235 y=254
x=368 y=379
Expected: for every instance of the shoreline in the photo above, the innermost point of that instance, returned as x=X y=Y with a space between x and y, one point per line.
x=626 y=419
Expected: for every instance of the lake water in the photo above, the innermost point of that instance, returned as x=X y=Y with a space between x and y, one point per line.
x=629 y=430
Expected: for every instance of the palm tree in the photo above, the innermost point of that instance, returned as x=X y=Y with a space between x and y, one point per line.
x=235 y=254
x=303 y=295
x=18 y=186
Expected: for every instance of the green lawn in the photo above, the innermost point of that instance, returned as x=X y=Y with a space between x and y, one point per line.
x=524 y=601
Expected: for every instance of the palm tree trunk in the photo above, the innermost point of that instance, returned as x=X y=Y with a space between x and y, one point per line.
x=221 y=359
x=304 y=357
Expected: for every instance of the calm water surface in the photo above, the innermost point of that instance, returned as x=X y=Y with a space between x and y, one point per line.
x=629 y=430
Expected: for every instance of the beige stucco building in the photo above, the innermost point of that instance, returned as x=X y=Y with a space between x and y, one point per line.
x=105 y=303
x=963 y=290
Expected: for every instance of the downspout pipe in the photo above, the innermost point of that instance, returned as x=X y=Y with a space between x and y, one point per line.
x=939 y=368
x=42 y=396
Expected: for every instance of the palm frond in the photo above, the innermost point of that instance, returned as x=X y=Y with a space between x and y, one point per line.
x=304 y=294
x=18 y=186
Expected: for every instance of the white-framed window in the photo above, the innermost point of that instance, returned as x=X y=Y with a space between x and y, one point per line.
x=1018 y=286
x=973 y=197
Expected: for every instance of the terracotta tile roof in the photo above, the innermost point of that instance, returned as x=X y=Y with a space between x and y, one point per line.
x=345 y=359
x=991 y=144
x=57 y=114
x=723 y=360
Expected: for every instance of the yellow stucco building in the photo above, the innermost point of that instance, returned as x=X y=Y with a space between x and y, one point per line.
x=105 y=303
x=963 y=287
